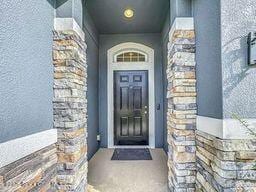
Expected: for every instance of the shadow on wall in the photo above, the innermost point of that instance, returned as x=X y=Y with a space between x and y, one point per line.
x=53 y=2
x=236 y=68
x=56 y=3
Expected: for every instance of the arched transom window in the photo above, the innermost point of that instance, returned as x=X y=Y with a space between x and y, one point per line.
x=130 y=56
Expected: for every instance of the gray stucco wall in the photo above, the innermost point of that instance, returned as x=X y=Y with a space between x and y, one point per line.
x=64 y=8
x=239 y=82
x=78 y=11
x=91 y=38
x=208 y=57
x=180 y=8
x=165 y=40
x=26 y=70
x=108 y=41
x=70 y=8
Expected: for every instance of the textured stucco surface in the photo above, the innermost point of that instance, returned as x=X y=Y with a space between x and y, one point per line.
x=239 y=82
x=225 y=82
x=64 y=8
x=108 y=41
x=208 y=57
x=91 y=39
x=70 y=8
x=165 y=40
x=78 y=11
x=180 y=8
x=26 y=72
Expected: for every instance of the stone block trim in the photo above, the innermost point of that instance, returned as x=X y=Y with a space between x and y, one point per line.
x=35 y=172
x=182 y=109
x=225 y=165
x=70 y=110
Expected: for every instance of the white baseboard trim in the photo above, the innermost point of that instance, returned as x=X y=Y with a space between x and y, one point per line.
x=16 y=149
x=181 y=23
x=224 y=128
x=62 y=24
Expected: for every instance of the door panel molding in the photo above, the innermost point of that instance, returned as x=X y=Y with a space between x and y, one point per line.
x=148 y=65
x=137 y=96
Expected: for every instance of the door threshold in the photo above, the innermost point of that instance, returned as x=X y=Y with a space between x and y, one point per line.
x=131 y=146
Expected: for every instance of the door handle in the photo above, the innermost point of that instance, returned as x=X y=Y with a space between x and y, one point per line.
x=146 y=110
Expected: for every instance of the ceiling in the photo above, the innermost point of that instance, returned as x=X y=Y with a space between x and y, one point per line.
x=149 y=15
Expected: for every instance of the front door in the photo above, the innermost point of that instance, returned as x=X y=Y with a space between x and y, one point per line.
x=131 y=108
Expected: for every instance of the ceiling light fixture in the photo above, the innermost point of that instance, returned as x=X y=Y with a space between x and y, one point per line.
x=129 y=13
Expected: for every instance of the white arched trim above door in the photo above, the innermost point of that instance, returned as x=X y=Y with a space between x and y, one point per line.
x=147 y=65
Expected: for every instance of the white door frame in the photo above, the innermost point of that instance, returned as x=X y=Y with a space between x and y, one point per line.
x=148 y=65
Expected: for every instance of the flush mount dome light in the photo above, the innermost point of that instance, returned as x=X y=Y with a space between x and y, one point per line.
x=128 y=13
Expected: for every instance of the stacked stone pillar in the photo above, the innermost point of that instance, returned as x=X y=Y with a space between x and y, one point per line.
x=70 y=110
x=225 y=164
x=35 y=172
x=181 y=115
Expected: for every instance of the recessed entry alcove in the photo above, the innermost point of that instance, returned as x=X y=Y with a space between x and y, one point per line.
x=127 y=95
x=131 y=90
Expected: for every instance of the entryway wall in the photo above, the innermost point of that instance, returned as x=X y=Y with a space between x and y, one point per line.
x=108 y=41
x=165 y=41
x=92 y=52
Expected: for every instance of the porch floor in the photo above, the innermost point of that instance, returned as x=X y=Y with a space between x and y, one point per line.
x=128 y=176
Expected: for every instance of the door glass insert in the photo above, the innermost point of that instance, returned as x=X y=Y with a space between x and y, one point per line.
x=131 y=57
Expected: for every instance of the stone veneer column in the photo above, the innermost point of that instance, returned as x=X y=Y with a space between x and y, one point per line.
x=225 y=164
x=35 y=172
x=70 y=109
x=181 y=115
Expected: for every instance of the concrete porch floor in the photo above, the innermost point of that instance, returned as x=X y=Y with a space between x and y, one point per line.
x=128 y=176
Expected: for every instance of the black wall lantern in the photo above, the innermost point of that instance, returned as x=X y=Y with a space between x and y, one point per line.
x=252 y=48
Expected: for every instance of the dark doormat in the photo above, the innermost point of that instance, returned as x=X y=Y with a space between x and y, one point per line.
x=131 y=154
